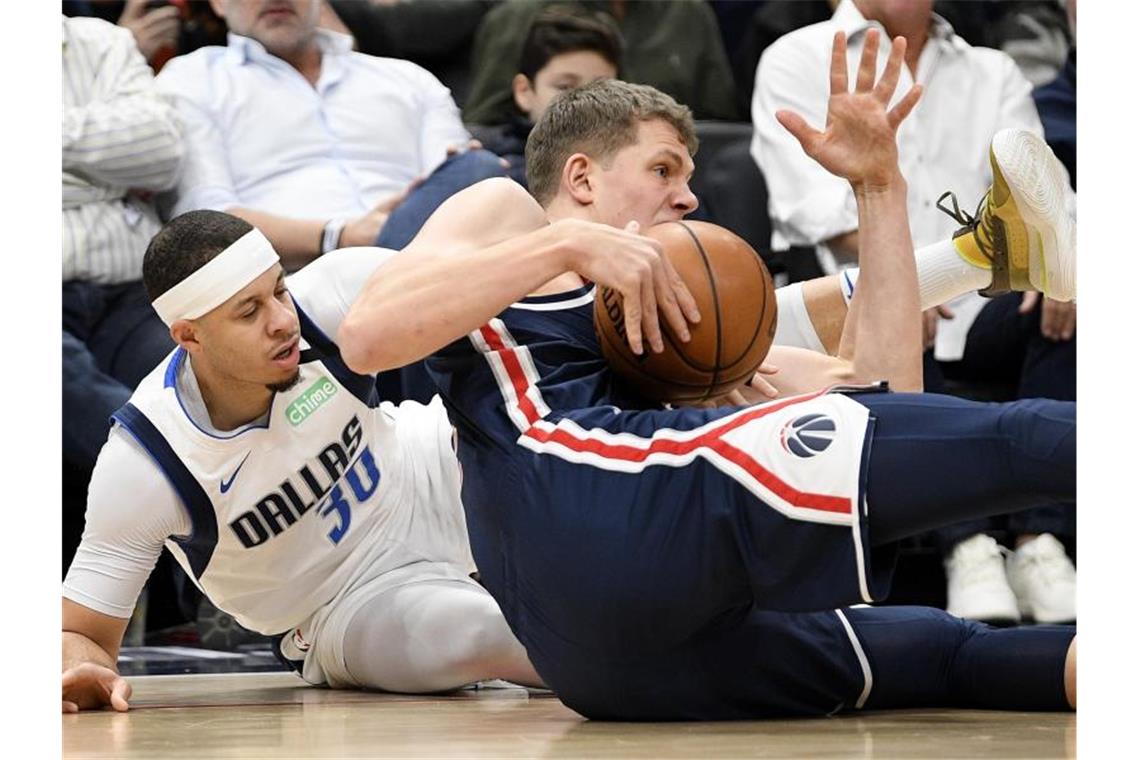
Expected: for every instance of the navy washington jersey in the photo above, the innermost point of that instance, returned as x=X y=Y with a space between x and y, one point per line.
x=609 y=529
x=333 y=488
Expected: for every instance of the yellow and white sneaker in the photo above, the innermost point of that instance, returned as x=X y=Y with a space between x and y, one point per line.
x=1021 y=230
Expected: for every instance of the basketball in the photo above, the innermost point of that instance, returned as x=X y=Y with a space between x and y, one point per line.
x=734 y=292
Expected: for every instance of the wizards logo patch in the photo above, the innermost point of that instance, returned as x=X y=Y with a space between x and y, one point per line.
x=807 y=436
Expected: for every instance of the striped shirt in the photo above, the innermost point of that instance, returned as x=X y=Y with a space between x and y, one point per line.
x=119 y=136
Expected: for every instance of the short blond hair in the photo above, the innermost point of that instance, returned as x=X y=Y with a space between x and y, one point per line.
x=598 y=119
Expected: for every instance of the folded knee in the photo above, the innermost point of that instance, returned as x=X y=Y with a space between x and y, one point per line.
x=481 y=640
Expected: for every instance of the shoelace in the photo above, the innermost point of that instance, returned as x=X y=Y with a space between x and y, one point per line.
x=971 y=223
x=984 y=562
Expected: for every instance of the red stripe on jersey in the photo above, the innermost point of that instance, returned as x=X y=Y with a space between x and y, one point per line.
x=711 y=439
x=514 y=372
x=793 y=496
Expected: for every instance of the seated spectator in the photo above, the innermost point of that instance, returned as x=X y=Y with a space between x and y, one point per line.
x=969 y=94
x=318 y=146
x=121 y=144
x=564 y=48
x=1030 y=31
x=674 y=45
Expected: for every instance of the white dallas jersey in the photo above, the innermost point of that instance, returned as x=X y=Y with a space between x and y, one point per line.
x=331 y=488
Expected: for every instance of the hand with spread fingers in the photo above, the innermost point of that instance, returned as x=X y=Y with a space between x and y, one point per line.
x=858 y=141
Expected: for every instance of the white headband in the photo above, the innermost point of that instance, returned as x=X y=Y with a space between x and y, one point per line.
x=209 y=287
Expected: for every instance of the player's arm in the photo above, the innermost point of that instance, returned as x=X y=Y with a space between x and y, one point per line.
x=882 y=331
x=485 y=248
x=91 y=642
x=131 y=510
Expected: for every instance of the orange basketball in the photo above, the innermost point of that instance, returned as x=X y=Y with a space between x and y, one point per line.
x=734 y=293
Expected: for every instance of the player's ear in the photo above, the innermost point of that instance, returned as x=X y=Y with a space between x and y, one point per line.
x=577 y=179
x=185 y=334
x=523 y=93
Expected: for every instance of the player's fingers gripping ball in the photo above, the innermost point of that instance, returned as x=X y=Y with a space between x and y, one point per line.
x=737 y=301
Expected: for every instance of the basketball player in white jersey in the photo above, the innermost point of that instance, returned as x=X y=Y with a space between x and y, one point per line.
x=294 y=500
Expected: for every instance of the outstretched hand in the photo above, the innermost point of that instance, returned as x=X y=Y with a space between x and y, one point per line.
x=858 y=141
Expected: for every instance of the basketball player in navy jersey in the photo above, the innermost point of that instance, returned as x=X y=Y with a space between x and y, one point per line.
x=700 y=563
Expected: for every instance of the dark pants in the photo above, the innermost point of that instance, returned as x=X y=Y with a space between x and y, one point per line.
x=454 y=174
x=611 y=577
x=939 y=460
x=1007 y=348
x=111 y=339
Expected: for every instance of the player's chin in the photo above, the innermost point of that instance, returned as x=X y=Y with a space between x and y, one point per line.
x=284 y=383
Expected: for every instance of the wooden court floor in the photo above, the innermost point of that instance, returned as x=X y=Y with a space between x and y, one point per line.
x=275 y=715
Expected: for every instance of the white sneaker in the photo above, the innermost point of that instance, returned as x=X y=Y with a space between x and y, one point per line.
x=1044 y=580
x=976 y=587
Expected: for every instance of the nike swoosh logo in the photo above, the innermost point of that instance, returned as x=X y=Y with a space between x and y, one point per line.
x=230 y=481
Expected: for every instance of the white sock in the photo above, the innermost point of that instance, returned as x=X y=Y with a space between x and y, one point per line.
x=794 y=327
x=943 y=275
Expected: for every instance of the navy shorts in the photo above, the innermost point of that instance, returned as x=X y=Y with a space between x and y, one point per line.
x=643 y=565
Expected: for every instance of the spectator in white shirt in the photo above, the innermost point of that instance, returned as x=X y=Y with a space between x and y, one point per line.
x=316 y=145
x=969 y=94
x=121 y=144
